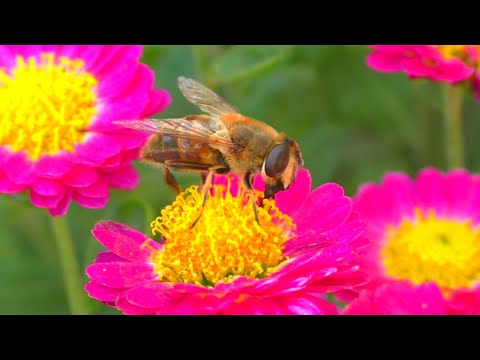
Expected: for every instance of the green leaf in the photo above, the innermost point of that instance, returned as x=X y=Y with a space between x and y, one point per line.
x=241 y=61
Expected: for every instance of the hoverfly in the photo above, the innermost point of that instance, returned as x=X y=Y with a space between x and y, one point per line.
x=219 y=142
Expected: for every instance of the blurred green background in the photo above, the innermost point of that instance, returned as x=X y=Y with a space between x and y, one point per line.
x=352 y=123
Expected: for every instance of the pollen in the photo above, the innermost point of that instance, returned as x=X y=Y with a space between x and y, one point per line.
x=468 y=53
x=225 y=242
x=429 y=248
x=45 y=105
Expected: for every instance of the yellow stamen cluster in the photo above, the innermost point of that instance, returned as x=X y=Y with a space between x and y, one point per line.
x=45 y=107
x=429 y=248
x=460 y=52
x=226 y=241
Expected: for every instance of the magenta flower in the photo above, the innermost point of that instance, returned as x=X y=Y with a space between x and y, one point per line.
x=399 y=298
x=306 y=245
x=57 y=106
x=447 y=63
x=423 y=231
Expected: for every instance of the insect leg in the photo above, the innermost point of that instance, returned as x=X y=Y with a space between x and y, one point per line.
x=205 y=190
x=170 y=180
x=203 y=178
x=248 y=180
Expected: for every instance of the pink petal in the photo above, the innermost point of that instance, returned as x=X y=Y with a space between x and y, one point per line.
x=24 y=50
x=385 y=62
x=342 y=279
x=346 y=295
x=291 y=200
x=299 y=272
x=131 y=155
x=50 y=48
x=154 y=295
x=430 y=191
x=80 y=176
x=43 y=201
x=310 y=305
x=7 y=187
x=457 y=191
x=159 y=100
x=48 y=187
x=128 y=243
x=418 y=61
x=131 y=106
x=62 y=206
x=122 y=53
x=7 y=57
x=399 y=299
x=144 y=79
x=88 y=53
x=398 y=193
x=53 y=166
x=328 y=190
x=106 y=58
x=311 y=242
x=305 y=243
x=371 y=261
x=125 y=177
x=129 y=309
x=102 y=293
x=5 y=155
x=472 y=53
x=90 y=202
x=465 y=302
x=117 y=160
x=472 y=205
x=249 y=305
x=116 y=82
x=259 y=183
x=107 y=256
x=121 y=274
x=437 y=68
x=99 y=147
x=370 y=204
x=364 y=304
x=347 y=232
x=97 y=190
x=320 y=212
x=313 y=263
x=19 y=169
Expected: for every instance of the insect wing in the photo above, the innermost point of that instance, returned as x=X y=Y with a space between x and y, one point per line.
x=199 y=128
x=204 y=98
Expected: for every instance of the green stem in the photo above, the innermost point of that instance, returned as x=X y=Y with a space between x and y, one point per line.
x=453 y=126
x=76 y=295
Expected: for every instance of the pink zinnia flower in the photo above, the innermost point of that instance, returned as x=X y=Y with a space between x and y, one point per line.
x=57 y=105
x=423 y=230
x=399 y=298
x=305 y=246
x=448 y=63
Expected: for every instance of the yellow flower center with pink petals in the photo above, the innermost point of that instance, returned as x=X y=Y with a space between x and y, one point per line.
x=226 y=240
x=46 y=106
x=470 y=54
x=428 y=248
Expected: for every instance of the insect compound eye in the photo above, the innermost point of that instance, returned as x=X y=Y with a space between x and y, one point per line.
x=277 y=159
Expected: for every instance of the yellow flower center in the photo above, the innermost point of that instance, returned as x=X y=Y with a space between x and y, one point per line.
x=225 y=242
x=428 y=248
x=45 y=107
x=460 y=52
